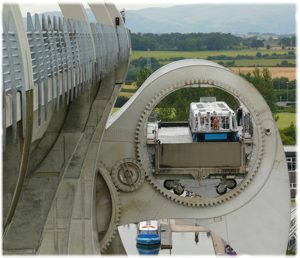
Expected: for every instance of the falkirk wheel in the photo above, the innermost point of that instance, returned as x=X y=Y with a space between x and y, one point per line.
x=253 y=217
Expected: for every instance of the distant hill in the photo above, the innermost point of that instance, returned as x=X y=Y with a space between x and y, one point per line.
x=235 y=19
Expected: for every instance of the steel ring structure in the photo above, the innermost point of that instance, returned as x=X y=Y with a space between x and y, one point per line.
x=232 y=215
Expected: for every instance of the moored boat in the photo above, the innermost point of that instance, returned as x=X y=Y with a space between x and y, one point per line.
x=148 y=233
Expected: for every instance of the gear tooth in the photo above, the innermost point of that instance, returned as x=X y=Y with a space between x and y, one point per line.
x=140 y=141
x=114 y=193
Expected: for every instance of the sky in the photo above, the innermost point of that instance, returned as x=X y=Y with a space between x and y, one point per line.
x=49 y=6
x=33 y=7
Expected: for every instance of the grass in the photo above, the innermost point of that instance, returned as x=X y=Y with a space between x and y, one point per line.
x=261 y=62
x=114 y=110
x=129 y=87
x=249 y=62
x=162 y=55
x=126 y=94
x=202 y=54
x=285 y=120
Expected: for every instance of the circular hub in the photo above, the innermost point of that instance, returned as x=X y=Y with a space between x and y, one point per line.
x=128 y=175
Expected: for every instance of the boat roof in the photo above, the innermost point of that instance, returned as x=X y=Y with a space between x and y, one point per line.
x=148 y=225
x=220 y=107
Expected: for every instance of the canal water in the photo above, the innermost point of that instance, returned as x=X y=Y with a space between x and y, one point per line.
x=184 y=243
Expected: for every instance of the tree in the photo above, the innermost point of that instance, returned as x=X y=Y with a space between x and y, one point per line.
x=175 y=107
x=121 y=100
x=288 y=135
x=256 y=43
x=185 y=41
x=132 y=74
x=288 y=41
x=142 y=76
x=262 y=81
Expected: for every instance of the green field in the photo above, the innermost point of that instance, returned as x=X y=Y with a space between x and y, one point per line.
x=201 y=54
x=261 y=62
x=114 y=110
x=285 y=119
x=249 y=62
x=126 y=94
x=129 y=88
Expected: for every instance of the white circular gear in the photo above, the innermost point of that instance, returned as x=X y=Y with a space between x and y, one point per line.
x=126 y=134
x=128 y=175
x=140 y=140
x=116 y=210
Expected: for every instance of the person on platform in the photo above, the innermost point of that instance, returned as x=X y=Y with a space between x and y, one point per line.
x=216 y=122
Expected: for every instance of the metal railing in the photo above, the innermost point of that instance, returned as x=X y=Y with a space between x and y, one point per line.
x=67 y=57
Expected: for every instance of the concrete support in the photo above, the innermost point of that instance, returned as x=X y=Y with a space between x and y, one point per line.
x=73 y=205
x=16 y=154
x=57 y=203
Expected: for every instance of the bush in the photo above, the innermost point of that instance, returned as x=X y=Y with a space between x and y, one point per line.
x=288 y=135
x=121 y=100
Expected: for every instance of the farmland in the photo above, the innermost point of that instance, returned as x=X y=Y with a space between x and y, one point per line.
x=281 y=64
x=278 y=61
x=276 y=72
x=249 y=62
x=160 y=55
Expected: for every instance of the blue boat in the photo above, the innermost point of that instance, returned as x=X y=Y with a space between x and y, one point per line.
x=148 y=233
x=148 y=249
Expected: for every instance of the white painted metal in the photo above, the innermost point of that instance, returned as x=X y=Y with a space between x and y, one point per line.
x=255 y=219
x=68 y=196
x=202 y=112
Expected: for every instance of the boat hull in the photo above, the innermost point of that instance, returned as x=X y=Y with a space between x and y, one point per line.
x=148 y=239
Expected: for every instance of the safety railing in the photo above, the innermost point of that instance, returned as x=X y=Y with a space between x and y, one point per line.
x=67 y=57
x=13 y=77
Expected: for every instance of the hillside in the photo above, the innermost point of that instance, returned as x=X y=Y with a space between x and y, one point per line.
x=235 y=19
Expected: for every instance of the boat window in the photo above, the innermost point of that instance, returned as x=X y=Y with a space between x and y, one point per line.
x=234 y=125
